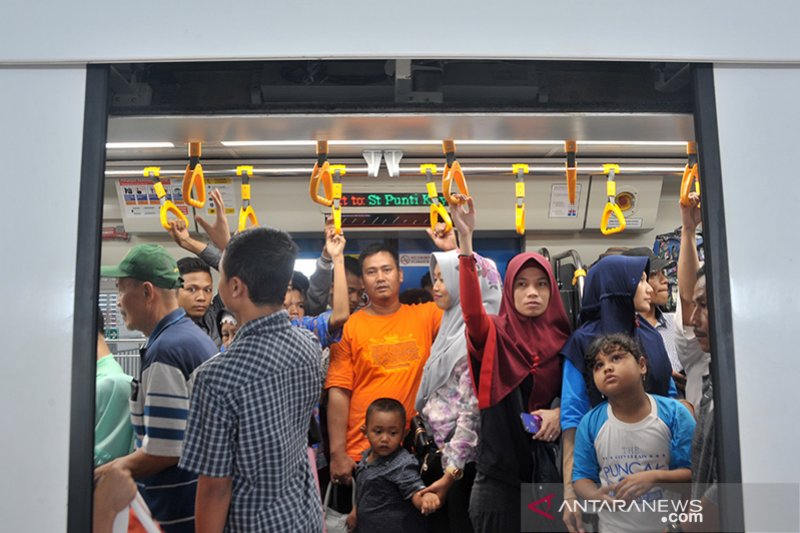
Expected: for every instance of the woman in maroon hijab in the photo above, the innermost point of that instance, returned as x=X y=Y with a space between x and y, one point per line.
x=516 y=369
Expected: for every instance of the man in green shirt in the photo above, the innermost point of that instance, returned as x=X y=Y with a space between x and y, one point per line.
x=113 y=432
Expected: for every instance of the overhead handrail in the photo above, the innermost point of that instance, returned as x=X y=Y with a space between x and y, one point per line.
x=438 y=211
x=571 y=149
x=193 y=179
x=246 y=212
x=167 y=206
x=520 y=169
x=453 y=172
x=691 y=174
x=611 y=204
x=321 y=174
x=336 y=196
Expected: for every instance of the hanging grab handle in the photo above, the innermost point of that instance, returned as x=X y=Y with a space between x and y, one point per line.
x=691 y=176
x=193 y=180
x=611 y=205
x=452 y=171
x=519 y=208
x=321 y=174
x=437 y=210
x=246 y=213
x=167 y=206
x=336 y=196
x=571 y=148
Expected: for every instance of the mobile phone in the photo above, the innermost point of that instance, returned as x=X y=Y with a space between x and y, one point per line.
x=531 y=423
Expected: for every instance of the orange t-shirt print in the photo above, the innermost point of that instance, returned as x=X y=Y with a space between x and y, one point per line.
x=394 y=353
x=381 y=357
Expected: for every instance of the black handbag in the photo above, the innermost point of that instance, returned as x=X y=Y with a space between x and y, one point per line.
x=426 y=451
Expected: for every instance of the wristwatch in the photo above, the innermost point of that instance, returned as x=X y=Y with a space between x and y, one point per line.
x=455 y=473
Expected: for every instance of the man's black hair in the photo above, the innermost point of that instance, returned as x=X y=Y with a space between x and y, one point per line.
x=377 y=248
x=426 y=280
x=300 y=282
x=701 y=272
x=263 y=258
x=188 y=265
x=101 y=322
x=352 y=266
x=386 y=405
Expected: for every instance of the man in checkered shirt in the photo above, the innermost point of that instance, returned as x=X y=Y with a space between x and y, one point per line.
x=247 y=431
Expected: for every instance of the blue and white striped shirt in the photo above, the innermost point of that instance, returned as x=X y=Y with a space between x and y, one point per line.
x=159 y=409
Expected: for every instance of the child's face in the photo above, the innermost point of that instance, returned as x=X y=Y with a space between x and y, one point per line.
x=618 y=372
x=384 y=432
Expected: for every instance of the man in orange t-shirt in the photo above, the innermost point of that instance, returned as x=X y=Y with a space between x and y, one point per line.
x=383 y=350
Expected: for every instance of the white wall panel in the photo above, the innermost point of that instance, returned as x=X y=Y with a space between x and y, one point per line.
x=758 y=113
x=150 y=30
x=41 y=113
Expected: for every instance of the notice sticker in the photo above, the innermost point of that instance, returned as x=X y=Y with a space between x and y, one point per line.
x=559 y=201
x=225 y=186
x=415 y=260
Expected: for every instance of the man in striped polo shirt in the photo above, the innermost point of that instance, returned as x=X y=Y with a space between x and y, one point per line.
x=148 y=277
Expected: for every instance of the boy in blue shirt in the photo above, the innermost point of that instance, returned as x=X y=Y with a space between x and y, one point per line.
x=631 y=444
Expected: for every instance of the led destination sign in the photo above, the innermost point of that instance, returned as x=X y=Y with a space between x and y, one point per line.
x=387 y=199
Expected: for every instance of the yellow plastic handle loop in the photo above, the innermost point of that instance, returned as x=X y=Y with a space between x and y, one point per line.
x=168 y=207
x=194 y=182
x=454 y=173
x=432 y=194
x=246 y=214
x=438 y=212
x=245 y=192
x=612 y=208
x=519 y=191
x=336 y=197
x=691 y=175
x=579 y=273
x=520 y=218
x=321 y=174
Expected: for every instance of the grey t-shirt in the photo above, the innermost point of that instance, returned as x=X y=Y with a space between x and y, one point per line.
x=383 y=494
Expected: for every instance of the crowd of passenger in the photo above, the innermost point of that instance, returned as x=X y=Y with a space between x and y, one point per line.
x=288 y=404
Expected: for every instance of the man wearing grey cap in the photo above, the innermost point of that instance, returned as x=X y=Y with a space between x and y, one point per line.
x=148 y=277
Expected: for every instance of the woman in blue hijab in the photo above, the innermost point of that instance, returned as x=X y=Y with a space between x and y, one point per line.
x=616 y=290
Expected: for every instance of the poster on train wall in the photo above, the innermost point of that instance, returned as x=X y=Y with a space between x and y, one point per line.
x=139 y=198
x=228 y=192
x=559 y=201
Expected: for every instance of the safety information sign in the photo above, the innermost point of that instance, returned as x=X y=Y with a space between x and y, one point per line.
x=415 y=260
x=559 y=201
x=139 y=200
x=228 y=192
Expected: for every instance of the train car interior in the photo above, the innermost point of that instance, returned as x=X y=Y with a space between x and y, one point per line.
x=541 y=145
x=573 y=160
